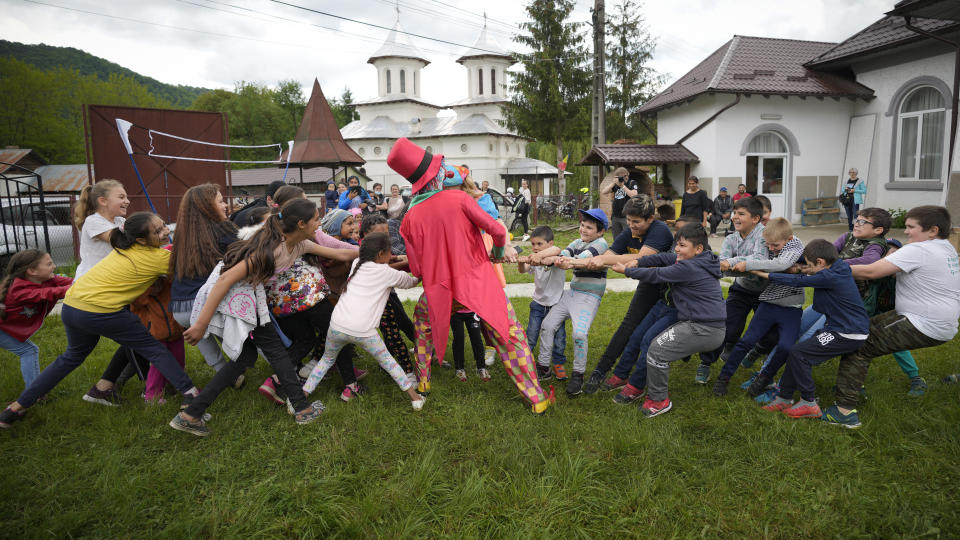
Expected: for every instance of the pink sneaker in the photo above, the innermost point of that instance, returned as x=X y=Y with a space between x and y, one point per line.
x=269 y=389
x=350 y=393
x=653 y=408
x=804 y=411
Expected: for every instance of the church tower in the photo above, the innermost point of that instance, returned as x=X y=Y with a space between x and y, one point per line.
x=398 y=64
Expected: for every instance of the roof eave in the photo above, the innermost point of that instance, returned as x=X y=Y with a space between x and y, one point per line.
x=486 y=55
x=373 y=59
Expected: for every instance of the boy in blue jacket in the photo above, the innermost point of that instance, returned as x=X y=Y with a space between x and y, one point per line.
x=836 y=297
x=693 y=273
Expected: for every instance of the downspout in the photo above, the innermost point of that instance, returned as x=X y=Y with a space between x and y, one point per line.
x=956 y=82
x=708 y=120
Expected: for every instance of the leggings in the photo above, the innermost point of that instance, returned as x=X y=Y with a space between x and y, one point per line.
x=580 y=308
x=472 y=322
x=391 y=325
x=372 y=344
x=308 y=332
x=209 y=347
x=512 y=349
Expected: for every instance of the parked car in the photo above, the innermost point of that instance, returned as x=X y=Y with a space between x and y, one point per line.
x=23 y=220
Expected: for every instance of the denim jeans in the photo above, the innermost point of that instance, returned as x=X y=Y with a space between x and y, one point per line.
x=84 y=330
x=537 y=314
x=29 y=355
x=659 y=318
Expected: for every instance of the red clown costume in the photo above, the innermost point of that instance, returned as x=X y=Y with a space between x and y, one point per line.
x=442 y=231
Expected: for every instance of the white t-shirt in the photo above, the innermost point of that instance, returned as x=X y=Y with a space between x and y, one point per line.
x=928 y=288
x=547 y=284
x=527 y=195
x=92 y=249
x=359 y=309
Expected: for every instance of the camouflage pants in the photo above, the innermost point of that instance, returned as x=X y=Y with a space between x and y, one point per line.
x=889 y=332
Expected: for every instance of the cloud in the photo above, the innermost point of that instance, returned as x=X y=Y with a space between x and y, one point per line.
x=265 y=48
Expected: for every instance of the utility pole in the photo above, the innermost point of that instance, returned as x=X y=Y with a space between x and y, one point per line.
x=598 y=127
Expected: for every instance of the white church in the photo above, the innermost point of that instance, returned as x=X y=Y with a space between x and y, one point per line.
x=471 y=135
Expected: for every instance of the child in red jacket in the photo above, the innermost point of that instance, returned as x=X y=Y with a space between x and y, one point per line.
x=28 y=293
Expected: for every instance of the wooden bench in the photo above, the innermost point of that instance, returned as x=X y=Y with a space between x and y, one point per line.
x=819 y=211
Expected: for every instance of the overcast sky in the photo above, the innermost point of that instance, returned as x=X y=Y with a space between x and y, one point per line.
x=215 y=43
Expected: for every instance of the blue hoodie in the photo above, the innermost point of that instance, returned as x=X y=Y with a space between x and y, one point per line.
x=835 y=295
x=694 y=285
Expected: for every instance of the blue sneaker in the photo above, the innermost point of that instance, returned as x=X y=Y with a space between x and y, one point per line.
x=832 y=415
x=746 y=383
x=703 y=374
x=767 y=395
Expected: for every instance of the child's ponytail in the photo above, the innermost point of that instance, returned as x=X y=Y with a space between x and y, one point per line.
x=258 y=250
x=17 y=268
x=137 y=226
x=373 y=245
x=87 y=203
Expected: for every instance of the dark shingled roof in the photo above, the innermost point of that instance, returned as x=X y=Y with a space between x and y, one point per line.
x=930 y=9
x=885 y=33
x=638 y=154
x=754 y=65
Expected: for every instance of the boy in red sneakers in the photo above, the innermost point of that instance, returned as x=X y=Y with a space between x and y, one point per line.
x=693 y=273
x=835 y=296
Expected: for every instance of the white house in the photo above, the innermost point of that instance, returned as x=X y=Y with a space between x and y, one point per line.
x=467 y=132
x=789 y=118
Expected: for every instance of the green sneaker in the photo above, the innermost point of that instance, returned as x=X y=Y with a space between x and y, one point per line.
x=918 y=387
x=832 y=415
x=703 y=374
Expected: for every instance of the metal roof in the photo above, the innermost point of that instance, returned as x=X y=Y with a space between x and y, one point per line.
x=530 y=167
x=930 y=9
x=479 y=100
x=888 y=32
x=383 y=127
x=398 y=45
x=318 y=140
x=485 y=46
x=15 y=155
x=638 y=154
x=64 y=178
x=754 y=65
x=392 y=99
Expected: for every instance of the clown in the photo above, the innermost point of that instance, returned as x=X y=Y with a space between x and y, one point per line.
x=442 y=230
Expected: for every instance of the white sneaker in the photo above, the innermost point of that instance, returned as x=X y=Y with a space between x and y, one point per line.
x=524 y=238
x=490 y=355
x=307 y=369
x=417 y=405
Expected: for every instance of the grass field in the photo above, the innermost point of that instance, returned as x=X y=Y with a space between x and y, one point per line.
x=476 y=463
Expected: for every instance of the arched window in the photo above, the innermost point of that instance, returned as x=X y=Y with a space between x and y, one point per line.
x=403 y=81
x=388 y=82
x=480 y=80
x=493 y=81
x=767 y=143
x=766 y=164
x=921 y=123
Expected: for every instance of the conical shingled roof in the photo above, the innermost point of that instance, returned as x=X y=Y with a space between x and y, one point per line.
x=485 y=46
x=398 y=45
x=318 y=140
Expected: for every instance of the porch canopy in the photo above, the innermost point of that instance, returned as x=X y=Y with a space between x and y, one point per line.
x=616 y=155
x=318 y=142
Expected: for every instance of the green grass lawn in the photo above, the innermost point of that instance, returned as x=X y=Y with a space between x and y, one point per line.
x=476 y=463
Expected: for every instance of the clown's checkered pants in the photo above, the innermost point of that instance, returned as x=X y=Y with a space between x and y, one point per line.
x=513 y=350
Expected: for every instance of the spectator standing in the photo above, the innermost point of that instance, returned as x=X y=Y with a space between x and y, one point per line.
x=696 y=202
x=853 y=193
x=622 y=188
x=741 y=192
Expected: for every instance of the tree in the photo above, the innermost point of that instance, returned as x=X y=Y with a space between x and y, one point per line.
x=551 y=95
x=255 y=116
x=629 y=49
x=289 y=96
x=343 y=108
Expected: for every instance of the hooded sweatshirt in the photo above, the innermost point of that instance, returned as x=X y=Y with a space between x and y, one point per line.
x=694 y=285
x=836 y=296
x=28 y=303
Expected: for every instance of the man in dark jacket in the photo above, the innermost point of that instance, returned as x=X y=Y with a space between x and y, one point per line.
x=239 y=218
x=722 y=209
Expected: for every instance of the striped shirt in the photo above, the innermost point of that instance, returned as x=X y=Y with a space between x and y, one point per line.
x=589 y=281
x=778 y=293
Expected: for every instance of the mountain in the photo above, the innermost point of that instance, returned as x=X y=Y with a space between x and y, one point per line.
x=47 y=57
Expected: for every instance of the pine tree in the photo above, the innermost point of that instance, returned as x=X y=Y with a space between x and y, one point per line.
x=631 y=81
x=550 y=96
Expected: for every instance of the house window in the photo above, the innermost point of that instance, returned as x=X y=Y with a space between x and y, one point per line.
x=480 y=80
x=493 y=82
x=388 y=82
x=415 y=91
x=766 y=164
x=920 y=135
x=403 y=81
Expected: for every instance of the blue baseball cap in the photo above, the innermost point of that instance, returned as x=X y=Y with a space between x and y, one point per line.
x=723 y=189
x=894 y=242
x=597 y=214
